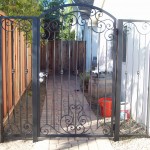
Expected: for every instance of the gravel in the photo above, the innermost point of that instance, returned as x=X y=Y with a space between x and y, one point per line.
x=131 y=143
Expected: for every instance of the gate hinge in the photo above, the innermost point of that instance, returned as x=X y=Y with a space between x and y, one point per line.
x=116 y=31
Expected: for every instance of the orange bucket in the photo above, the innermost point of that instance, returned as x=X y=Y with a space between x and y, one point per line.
x=105 y=106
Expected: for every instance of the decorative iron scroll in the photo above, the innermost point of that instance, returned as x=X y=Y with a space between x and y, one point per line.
x=11 y=25
x=13 y=128
x=75 y=122
x=54 y=22
x=27 y=128
x=106 y=129
x=142 y=28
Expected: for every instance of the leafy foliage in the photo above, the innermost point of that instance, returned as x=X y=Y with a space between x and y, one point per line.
x=46 y=4
x=20 y=7
x=64 y=22
x=34 y=8
x=66 y=33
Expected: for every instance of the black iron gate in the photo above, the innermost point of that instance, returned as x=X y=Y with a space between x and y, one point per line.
x=74 y=54
x=69 y=108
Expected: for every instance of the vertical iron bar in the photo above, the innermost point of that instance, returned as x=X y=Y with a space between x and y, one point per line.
x=91 y=72
x=83 y=55
x=148 y=98
x=54 y=55
x=98 y=105
x=83 y=77
x=47 y=66
x=20 y=101
x=61 y=53
x=26 y=75
x=146 y=50
x=105 y=83
x=13 y=73
x=114 y=57
x=35 y=77
x=76 y=80
x=1 y=87
x=61 y=67
x=69 y=79
x=38 y=71
x=138 y=73
x=126 y=71
x=132 y=78
x=118 y=79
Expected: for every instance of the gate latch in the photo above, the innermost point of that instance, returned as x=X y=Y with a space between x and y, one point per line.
x=42 y=75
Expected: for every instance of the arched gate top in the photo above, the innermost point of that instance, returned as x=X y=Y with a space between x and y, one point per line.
x=76 y=4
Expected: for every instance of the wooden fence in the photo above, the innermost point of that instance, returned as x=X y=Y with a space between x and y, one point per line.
x=16 y=65
x=77 y=55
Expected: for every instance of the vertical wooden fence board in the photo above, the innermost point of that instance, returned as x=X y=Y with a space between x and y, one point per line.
x=7 y=65
x=65 y=55
x=3 y=66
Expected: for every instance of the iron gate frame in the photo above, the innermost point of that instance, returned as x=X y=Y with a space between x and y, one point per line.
x=114 y=51
x=36 y=71
x=120 y=30
x=117 y=69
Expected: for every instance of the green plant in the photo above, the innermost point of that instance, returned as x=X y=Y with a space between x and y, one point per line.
x=20 y=7
x=61 y=19
x=84 y=80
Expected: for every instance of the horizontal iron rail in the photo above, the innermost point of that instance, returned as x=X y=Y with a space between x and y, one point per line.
x=133 y=20
x=75 y=135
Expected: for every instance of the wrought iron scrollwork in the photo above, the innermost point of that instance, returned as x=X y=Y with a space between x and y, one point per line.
x=142 y=28
x=109 y=35
x=96 y=18
x=48 y=129
x=25 y=25
x=106 y=129
x=27 y=128
x=45 y=130
x=75 y=122
x=11 y=25
x=11 y=129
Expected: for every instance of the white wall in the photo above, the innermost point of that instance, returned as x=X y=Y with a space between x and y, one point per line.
x=97 y=42
x=137 y=55
x=134 y=87
x=128 y=9
x=91 y=46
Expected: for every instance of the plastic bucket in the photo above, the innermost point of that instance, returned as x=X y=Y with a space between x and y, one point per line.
x=124 y=111
x=105 y=106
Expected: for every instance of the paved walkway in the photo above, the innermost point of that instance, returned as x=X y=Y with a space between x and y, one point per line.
x=77 y=144
x=59 y=144
x=54 y=115
x=73 y=143
x=62 y=95
x=66 y=110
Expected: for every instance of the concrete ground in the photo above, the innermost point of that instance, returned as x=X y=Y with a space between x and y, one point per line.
x=78 y=144
x=59 y=144
x=75 y=143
